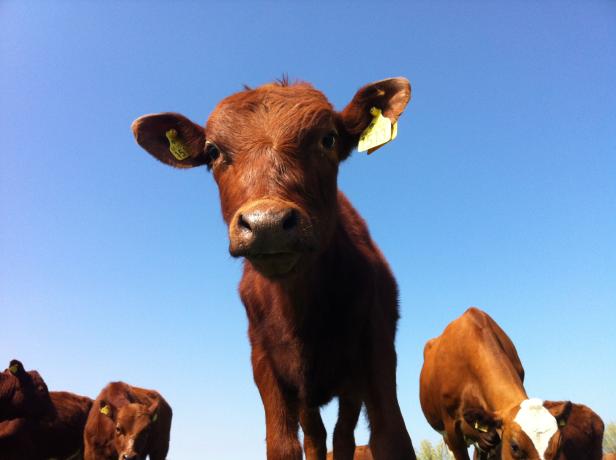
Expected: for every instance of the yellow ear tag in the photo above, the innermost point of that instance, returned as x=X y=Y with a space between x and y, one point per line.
x=13 y=369
x=105 y=410
x=379 y=132
x=176 y=147
x=483 y=429
x=155 y=416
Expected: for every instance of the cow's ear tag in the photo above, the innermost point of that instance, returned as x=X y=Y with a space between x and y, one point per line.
x=155 y=416
x=176 y=146
x=378 y=133
x=562 y=422
x=105 y=410
x=14 y=368
x=482 y=428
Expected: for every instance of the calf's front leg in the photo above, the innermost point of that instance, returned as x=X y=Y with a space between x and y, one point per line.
x=281 y=413
x=389 y=439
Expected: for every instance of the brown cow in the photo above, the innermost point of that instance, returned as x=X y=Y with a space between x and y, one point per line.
x=321 y=301
x=127 y=423
x=22 y=393
x=471 y=390
x=45 y=424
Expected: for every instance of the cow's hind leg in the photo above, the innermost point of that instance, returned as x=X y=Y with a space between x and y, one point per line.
x=315 y=436
x=344 y=438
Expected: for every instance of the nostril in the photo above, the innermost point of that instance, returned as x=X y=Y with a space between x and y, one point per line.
x=290 y=220
x=243 y=223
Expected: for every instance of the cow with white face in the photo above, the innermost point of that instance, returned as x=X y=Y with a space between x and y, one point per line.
x=471 y=390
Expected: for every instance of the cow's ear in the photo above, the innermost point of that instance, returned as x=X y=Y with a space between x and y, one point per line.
x=386 y=98
x=560 y=410
x=107 y=409
x=16 y=367
x=485 y=427
x=482 y=420
x=153 y=411
x=171 y=138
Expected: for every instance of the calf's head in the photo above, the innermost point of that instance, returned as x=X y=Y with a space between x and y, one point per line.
x=530 y=431
x=22 y=393
x=274 y=152
x=133 y=424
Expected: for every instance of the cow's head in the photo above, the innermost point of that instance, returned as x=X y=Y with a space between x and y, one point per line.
x=274 y=152
x=133 y=424
x=22 y=393
x=530 y=431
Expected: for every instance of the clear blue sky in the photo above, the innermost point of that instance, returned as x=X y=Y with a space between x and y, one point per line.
x=499 y=192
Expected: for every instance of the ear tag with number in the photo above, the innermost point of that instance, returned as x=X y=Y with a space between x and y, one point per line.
x=378 y=133
x=176 y=146
x=105 y=410
x=482 y=428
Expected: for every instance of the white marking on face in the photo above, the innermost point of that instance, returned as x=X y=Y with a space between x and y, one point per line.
x=538 y=424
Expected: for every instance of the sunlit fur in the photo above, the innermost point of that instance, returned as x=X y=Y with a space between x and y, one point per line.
x=135 y=423
x=37 y=423
x=471 y=388
x=321 y=301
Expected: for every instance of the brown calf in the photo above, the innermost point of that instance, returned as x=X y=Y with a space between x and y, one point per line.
x=127 y=423
x=51 y=427
x=321 y=301
x=471 y=390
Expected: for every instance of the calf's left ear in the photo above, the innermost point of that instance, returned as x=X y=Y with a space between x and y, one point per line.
x=171 y=138
x=389 y=97
x=560 y=410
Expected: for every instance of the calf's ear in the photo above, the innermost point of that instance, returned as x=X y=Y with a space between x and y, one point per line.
x=389 y=97
x=171 y=138
x=105 y=408
x=560 y=410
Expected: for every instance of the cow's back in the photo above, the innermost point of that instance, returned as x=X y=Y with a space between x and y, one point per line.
x=472 y=351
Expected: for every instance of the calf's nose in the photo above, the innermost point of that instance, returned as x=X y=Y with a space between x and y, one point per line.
x=276 y=220
x=264 y=227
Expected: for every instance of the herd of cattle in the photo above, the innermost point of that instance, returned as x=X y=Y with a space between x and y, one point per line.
x=322 y=307
x=471 y=390
x=123 y=422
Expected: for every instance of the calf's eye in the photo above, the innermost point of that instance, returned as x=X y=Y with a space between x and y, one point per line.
x=329 y=141
x=212 y=150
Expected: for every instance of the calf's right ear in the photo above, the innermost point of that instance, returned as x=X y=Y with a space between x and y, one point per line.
x=171 y=138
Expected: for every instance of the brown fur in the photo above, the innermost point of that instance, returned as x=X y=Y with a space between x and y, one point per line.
x=48 y=425
x=582 y=436
x=472 y=375
x=138 y=424
x=320 y=298
x=361 y=453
